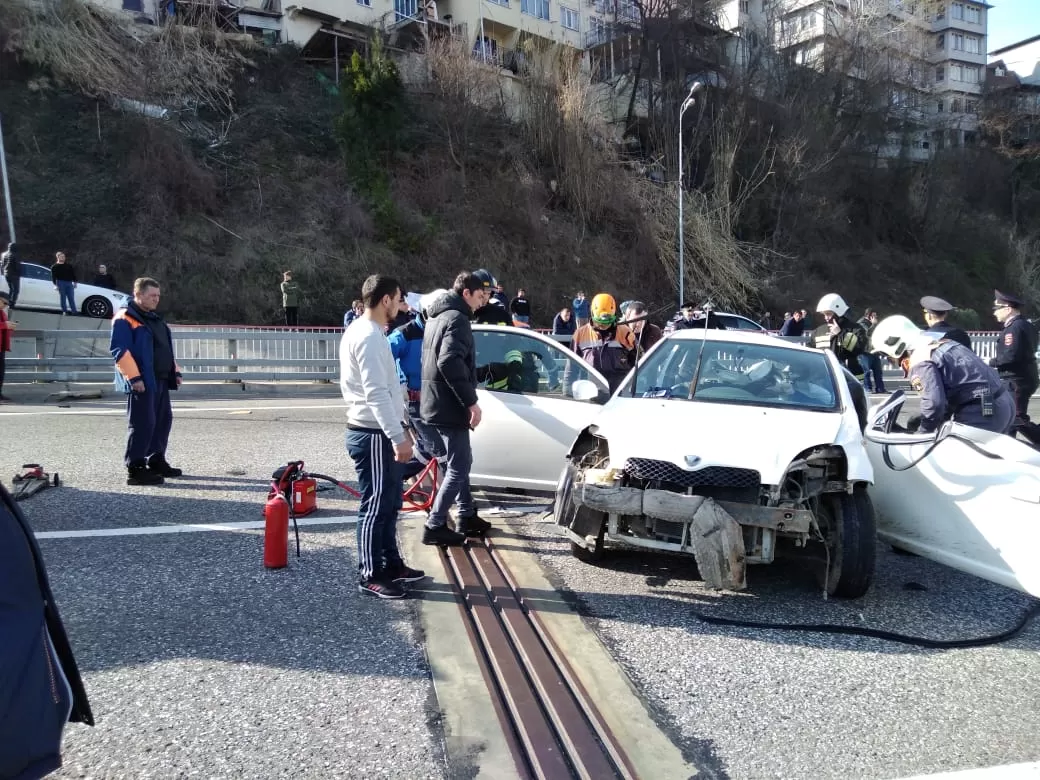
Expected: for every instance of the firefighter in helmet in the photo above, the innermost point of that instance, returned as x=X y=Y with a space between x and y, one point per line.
x=605 y=343
x=491 y=313
x=841 y=334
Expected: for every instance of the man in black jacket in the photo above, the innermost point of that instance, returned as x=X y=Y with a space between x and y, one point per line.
x=491 y=312
x=448 y=403
x=11 y=267
x=935 y=313
x=1015 y=360
x=40 y=689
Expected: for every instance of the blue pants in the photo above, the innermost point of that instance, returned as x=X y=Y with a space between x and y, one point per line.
x=871 y=365
x=455 y=484
x=379 y=477
x=149 y=419
x=67 y=294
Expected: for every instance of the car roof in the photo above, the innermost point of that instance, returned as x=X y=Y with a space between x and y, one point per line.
x=738 y=337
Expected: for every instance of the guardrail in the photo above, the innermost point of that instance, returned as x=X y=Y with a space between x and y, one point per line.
x=214 y=353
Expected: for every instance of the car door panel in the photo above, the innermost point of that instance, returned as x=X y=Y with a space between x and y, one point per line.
x=524 y=436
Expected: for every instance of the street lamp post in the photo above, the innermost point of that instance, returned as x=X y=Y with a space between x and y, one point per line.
x=697 y=86
x=7 y=189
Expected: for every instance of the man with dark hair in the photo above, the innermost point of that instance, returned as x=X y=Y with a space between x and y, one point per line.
x=377 y=438
x=646 y=333
x=448 y=402
x=520 y=307
x=870 y=362
x=142 y=349
x=11 y=268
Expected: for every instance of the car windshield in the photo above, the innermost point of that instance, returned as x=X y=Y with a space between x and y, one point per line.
x=735 y=373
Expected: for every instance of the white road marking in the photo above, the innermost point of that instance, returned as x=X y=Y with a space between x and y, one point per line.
x=176 y=409
x=151 y=530
x=1025 y=771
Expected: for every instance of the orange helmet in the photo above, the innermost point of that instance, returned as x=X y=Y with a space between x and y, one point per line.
x=603 y=310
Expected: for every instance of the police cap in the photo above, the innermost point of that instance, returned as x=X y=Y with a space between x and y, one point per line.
x=931 y=303
x=1007 y=299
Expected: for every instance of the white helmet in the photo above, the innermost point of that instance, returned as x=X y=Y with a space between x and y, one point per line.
x=896 y=336
x=832 y=302
x=426 y=301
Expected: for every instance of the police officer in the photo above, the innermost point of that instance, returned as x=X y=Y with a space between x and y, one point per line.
x=935 y=312
x=1015 y=360
x=954 y=383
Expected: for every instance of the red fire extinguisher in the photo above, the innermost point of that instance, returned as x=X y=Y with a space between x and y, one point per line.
x=276 y=532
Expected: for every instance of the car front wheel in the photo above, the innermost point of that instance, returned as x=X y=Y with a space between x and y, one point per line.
x=579 y=519
x=98 y=307
x=849 y=526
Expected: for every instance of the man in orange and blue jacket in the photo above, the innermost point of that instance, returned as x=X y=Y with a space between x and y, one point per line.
x=146 y=371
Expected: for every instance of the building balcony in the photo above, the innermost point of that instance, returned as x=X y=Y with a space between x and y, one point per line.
x=622 y=12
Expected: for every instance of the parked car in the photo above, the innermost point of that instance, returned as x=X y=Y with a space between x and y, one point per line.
x=38 y=292
x=729 y=320
x=962 y=497
x=723 y=443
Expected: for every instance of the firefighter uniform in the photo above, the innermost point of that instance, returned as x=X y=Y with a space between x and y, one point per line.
x=847 y=344
x=1015 y=361
x=955 y=384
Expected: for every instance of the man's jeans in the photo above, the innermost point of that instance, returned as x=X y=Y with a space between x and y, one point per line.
x=379 y=477
x=67 y=294
x=455 y=483
x=871 y=365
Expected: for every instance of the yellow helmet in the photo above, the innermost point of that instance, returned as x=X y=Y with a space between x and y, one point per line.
x=603 y=310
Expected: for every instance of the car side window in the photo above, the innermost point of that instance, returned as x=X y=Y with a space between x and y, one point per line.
x=36 y=272
x=513 y=362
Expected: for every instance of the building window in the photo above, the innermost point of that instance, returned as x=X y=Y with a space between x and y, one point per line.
x=957 y=41
x=939 y=107
x=973 y=15
x=971 y=106
x=568 y=17
x=969 y=138
x=957 y=11
x=955 y=106
x=366 y=3
x=133 y=5
x=745 y=6
x=536 y=8
x=940 y=74
x=999 y=73
x=973 y=45
x=940 y=41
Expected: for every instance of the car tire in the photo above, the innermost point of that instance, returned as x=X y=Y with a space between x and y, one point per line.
x=580 y=519
x=851 y=541
x=97 y=307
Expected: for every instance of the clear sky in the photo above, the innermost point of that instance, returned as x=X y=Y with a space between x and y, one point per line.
x=1011 y=21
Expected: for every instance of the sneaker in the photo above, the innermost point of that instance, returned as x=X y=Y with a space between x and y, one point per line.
x=442 y=535
x=406 y=574
x=382 y=588
x=474 y=526
x=163 y=469
x=141 y=475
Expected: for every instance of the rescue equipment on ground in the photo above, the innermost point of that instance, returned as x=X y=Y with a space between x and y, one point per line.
x=32 y=481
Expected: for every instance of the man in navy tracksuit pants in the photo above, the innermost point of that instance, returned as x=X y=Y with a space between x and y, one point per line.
x=146 y=370
x=377 y=439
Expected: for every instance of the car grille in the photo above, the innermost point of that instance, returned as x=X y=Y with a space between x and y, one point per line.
x=712 y=476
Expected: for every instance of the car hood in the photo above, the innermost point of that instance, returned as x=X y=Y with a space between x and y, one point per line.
x=766 y=440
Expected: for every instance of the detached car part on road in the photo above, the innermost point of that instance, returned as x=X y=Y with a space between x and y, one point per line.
x=731 y=447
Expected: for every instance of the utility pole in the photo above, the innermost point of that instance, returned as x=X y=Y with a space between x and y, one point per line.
x=7 y=187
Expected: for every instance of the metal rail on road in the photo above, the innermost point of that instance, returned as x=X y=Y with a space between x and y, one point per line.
x=552 y=726
x=216 y=352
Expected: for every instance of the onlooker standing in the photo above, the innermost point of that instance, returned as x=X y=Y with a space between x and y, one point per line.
x=357 y=308
x=104 y=279
x=64 y=277
x=520 y=308
x=290 y=299
x=142 y=348
x=794 y=325
x=646 y=333
x=11 y=266
x=377 y=439
x=870 y=362
x=766 y=321
x=6 y=327
x=448 y=402
x=563 y=323
x=581 y=309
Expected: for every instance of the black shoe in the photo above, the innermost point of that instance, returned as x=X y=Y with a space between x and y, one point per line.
x=404 y=573
x=474 y=526
x=382 y=588
x=442 y=535
x=163 y=469
x=141 y=475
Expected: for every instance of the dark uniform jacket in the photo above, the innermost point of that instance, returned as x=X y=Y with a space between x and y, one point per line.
x=449 y=367
x=492 y=314
x=1016 y=353
x=956 y=384
x=943 y=330
x=847 y=344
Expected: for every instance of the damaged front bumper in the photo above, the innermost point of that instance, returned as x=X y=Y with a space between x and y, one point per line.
x=723 y=536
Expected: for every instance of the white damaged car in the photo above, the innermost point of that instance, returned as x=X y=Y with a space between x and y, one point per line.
x=728 y=445
x=731 y=446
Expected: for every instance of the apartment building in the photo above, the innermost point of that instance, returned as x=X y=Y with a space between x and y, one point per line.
x=1011 y=94
x=959 y=59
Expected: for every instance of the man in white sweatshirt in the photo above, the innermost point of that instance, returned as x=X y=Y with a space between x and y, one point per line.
x=378 y=439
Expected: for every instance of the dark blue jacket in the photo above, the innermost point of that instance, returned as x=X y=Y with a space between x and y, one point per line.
x=133 y=351
x=406 y=346
x=40 y=686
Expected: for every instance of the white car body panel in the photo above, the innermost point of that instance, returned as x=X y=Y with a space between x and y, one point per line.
x=958 y=507
x=38 y=292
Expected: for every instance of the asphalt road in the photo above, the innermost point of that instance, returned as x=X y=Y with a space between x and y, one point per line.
x=200 y=662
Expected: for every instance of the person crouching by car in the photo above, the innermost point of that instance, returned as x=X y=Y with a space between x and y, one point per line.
x=142 y=349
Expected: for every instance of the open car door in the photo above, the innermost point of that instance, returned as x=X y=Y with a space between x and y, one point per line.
x=531 y=420
x=963 y=497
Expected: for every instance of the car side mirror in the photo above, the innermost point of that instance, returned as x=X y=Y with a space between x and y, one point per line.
x=584 y=390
